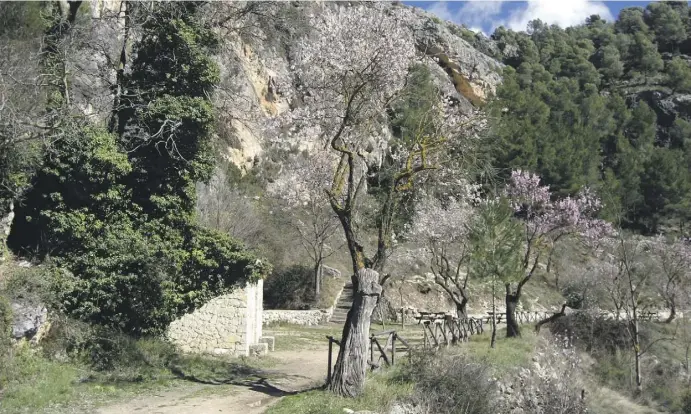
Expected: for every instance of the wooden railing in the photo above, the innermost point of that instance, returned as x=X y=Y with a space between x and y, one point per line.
x=439 y=329
x=379 y=354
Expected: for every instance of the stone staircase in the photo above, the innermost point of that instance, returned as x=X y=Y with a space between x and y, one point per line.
x=343 y=305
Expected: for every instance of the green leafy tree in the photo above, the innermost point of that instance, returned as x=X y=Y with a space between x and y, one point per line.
x=167 y=121
x=631 y=21
x=667 y=25
x=120 y=225
x=645 y=57
x=643 y=127
x=495 y=239
x=664 y=185
x=680 y=134
x=609 y=63
x=678 y=75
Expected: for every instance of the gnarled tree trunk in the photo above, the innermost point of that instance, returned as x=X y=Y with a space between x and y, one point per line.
x=551 y=319
x=461 y=306
x=672 y=311
x=512 y=328
x=351 y=365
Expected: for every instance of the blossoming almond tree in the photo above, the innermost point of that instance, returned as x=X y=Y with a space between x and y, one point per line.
x=673 y=259
x=545 y=222
x=300 y=186
x=628 y=265
x=443 y=229
x=355 y=64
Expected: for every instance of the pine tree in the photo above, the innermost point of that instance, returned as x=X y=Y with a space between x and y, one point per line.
x=667 y=25
x=678 y=75
x=609 y=63
x=646 y=58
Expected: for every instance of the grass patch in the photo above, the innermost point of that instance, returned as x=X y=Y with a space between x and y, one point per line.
x=291 y=337
x=509 y=352
x=32 y=382
x=35 y=384
x=381 y=390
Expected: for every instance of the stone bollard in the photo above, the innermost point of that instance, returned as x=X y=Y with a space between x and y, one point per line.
x=260 y=349
x=270 y=341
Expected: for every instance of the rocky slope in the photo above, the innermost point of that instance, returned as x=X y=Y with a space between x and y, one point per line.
x=257 y=82
x=254 y=66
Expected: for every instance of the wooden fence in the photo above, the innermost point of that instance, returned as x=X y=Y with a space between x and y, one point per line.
x=379 y=354
x=439 y=329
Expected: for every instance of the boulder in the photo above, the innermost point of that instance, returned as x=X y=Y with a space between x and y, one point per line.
x=27 y=319
x=330 y=271
x=404 y=408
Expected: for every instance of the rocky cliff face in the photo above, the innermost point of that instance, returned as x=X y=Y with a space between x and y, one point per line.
x=256 y=68
x=257 y=82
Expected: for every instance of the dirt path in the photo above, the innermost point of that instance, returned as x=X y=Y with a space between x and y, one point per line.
x=296 y=370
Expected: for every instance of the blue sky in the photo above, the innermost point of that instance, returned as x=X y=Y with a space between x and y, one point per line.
x=487 y=15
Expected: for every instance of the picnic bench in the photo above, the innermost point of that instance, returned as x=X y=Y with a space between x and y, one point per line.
x=648 y=316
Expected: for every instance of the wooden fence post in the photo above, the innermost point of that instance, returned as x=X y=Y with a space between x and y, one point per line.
x=328 y=375
x=371 y=350
x=393 y=348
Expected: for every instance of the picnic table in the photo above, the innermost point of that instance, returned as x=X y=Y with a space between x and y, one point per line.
x=430 y=316
x=648 y=315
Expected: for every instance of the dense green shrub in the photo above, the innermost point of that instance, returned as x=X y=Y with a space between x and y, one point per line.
x=596 y=334
x=290 y=288
x=115 y=209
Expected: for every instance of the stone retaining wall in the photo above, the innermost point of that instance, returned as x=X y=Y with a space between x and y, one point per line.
x=297 y=317
x=301 y=317
x=228 y=324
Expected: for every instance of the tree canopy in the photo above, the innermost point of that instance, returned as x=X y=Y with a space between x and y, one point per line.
x=583 y=106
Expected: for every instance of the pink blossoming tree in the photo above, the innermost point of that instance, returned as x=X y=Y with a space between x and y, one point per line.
x=354 y=63
x=545 y=222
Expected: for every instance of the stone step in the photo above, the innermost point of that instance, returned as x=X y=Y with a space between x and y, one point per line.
x=343 y=304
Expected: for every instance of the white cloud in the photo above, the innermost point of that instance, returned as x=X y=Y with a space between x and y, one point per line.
x=441 y=10
x=488 y=14
x=476 y=13
x=471 y=13
x=562 y=13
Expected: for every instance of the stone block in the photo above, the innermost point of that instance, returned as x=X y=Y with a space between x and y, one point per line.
x=221 y=351
x=259 y=349
x=270 y=341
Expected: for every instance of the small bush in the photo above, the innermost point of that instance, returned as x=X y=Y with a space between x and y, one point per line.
x=121 y=358
x=552 y=385
x=686 y=403
x=290 y=288
x=30 y=284
x=592 y=332
x=447 y=384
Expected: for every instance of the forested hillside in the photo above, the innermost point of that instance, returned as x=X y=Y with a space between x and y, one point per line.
x=604 y=104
